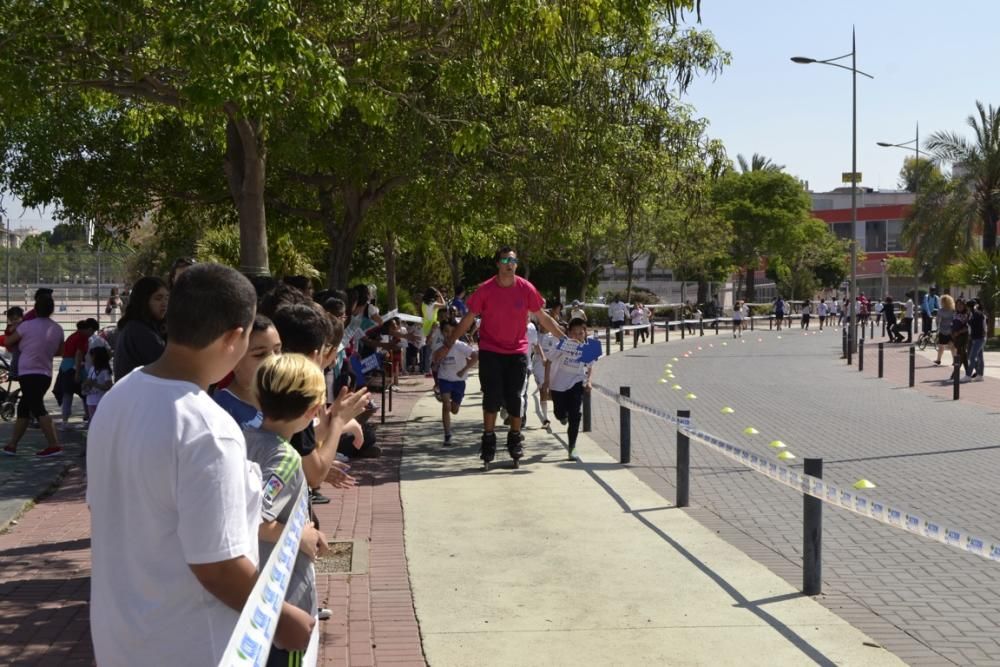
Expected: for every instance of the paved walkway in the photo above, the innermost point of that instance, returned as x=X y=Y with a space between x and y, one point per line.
x=571 y=563
x=927 y=603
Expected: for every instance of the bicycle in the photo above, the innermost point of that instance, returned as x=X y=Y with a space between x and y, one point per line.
x=927 y=338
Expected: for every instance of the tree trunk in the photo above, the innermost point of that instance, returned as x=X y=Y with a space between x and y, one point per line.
x=245 y=163
x=343 y=235
x=389 y=250
x=990 y=231
x=751 y=288
x=702 y=291
x=629 y=269
x=455 y=267
x=588 y=269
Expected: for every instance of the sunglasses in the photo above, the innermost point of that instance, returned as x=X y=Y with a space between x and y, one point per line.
x=508 y=260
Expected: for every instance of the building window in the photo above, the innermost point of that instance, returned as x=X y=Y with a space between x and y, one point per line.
x=894 y=231
x=842 y=230
x=875 y=236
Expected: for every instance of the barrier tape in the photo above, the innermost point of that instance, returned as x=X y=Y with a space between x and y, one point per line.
x=832 y=494
x=251 y=640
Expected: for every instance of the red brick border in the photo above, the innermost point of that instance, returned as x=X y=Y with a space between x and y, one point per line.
x=373 y=619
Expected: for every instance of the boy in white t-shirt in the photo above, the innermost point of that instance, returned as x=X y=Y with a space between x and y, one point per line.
x=567 y=378
x=174 y=502
x=451 y=376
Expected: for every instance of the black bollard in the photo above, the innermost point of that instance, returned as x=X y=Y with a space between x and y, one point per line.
x=881 y=351
x=861 y=355
x=701 y=325
x=955 y=381
x=682 y=329
x=652 y=333
x=625 y=430
x=621 y=339
x=586 y=412
x=843 y=344
x=812 y=533
x=683 y=461
x=607 y=341
x=913 y=365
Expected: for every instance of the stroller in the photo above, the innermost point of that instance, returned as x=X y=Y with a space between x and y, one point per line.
x=8 y=395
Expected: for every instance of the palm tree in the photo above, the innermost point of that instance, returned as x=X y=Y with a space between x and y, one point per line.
x=978 y=165
x=758 y=162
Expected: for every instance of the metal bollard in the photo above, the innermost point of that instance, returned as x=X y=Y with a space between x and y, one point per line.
x=625 y=430
x=701 y=325
x=913 y=365
x=716 y=326
x=683 y=461
x=652 y=333
x=666 y=331
x=881 y=351
x=770 y=322
x=621 y=339
x=682 y=329
x=955 y=381
x=751 y=323
x=861 y=355
x=607 y=341
x=586 y=412
x=872 y=334
x=843 y=344
x=812 y=534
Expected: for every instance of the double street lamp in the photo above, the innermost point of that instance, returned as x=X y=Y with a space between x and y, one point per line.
x=852 y=305
x=916 y=190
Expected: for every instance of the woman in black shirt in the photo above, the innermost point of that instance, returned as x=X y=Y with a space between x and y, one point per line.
x=140 y=338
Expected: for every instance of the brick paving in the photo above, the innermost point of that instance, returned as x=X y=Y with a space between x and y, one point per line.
x=927 y=603
x=45 y=569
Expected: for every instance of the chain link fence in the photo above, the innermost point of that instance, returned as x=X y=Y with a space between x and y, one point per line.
x=81 y=280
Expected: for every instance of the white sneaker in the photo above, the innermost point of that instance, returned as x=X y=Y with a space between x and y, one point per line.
x=978 y=378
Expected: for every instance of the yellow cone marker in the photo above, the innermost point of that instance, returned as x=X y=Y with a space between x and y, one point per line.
x=710 y=345
x=675 y=359
x=760 y=340
x=779 y=337
x=777 y=444
x=699 y=347
x=725 y=344
x=750 y=430
x=692 y=396
x=727 y=410
x=786 y=455
x=676 y=387
x=663 y=380
x=864 y=484
x=669 y=366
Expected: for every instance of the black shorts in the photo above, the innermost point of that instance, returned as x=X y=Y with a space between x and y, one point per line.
x=503 y=378
x=944 y=339
x=32 y=403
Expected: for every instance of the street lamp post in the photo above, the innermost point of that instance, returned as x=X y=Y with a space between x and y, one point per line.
x=853 y=69
x=883 y=263
x=916 y=190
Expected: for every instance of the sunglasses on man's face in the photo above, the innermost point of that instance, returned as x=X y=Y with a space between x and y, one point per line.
x=508 y=260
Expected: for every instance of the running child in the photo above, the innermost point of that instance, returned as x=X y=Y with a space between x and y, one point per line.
x=98 y=380
x=452 y=370
x=567 y=379
x=291 y=391
x=540 y=344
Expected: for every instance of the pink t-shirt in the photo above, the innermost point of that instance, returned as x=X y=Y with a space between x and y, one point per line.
x=504 y=312
x=40 y=341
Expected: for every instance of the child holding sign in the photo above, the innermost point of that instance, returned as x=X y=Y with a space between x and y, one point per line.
x=567 y=376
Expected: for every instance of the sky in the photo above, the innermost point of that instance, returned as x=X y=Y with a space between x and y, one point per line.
x=931 y=61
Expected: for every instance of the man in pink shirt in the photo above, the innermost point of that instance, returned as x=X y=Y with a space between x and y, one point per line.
x=503 y=304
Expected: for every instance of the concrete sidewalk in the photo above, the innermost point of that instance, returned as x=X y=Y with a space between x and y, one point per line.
x=565 y=562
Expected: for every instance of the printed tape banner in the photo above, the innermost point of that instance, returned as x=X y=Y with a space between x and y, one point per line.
x=251 y=640
x=844 y=498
